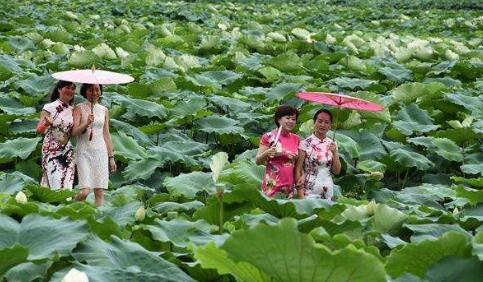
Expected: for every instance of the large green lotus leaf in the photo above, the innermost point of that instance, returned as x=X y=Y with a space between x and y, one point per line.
x=210 y=256
x=472 y=103
x=104 y=228
x=20 y=43
x=473 y=196
x=28 y=271
x=36 y=85
x=475 y=182
x=412 y=119
x=127 y=147
x=281 y=207
x=47 y=195
x=20 y=147
x=282 y=92
x=370 y=146
x=189 y=184
x=384 y=115
x=371 y=166
x=416 y=258
x=121 y=260
x=478 y=245
x=220 y=125
x=13 y=107
x=8 y=67
x=432 y=231
x=11 y=183
x=138 y=107
x=352 y=83
x=164 y=207
x=456 y=269
x=10 y=257
x=396 y=72
x=43 y=236
x=448 y=149
x=211 y=211
x=388 y=220
x=141 y=169
x=302 y=259
x=411 y=159
x=124 y=214
x=348 y=145
x=82 y=59
x=409 y=92
x=214 y=79
x=245 y=172
x=189 y=107
x=444 y=147
x=473 y=164
x=181 y=232
x=230 y=105
x=133 y=131
x=169 y=153
x=288 y=62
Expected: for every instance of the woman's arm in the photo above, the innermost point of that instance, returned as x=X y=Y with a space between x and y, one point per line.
x=264 y=152
x=336 y=165
x=80 y=127
x=299 y=174
x=44 y=122
x=108 y=141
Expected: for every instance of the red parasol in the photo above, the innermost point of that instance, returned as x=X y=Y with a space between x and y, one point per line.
x=340 y=101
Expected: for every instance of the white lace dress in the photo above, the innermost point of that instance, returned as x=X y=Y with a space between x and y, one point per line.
x=91 y=155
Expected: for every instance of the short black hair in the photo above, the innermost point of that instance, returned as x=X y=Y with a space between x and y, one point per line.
x=86 y=86
x=285 y=110
x=323 y=111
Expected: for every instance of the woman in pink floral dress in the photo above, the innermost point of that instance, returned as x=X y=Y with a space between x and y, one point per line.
x=280 y=154
x=318 y=158
x=56 y=122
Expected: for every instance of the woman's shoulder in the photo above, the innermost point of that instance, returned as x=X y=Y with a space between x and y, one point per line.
x=50 y=107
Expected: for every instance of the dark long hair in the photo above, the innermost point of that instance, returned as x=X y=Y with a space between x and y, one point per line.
x=55 y=93
x=86 y=86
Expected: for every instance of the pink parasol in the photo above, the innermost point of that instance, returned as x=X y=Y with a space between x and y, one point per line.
x=93 y=76
x=340 y=101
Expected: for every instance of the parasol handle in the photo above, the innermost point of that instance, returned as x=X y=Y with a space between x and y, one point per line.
x=336 y=120
x=92 y=112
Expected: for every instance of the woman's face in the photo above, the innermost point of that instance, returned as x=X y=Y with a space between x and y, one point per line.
x=288 y=122
x=322 y=123
x=67 y=93
x=93 y=93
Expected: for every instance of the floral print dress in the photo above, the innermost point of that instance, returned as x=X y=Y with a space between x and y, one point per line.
x=317 y=164
x=278 y=179
x=57 y=152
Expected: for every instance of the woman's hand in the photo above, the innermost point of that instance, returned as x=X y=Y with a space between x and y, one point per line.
x=333 y=148
x=112 y=164
x=48 y=121
x=271 y=152
x=90 y=119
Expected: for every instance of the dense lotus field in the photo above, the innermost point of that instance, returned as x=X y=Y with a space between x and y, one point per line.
x=185 y=204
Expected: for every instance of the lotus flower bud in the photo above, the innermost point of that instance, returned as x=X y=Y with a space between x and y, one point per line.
x=377 y=175
x=456 y=211
x=75 y=275
x=21 y=198
x=140 y=214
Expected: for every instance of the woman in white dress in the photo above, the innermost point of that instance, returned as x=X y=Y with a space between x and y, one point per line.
x=94 y=146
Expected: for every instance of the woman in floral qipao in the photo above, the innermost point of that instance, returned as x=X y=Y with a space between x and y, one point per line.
x=318 y=157
x=56 y=122
x=280 y=155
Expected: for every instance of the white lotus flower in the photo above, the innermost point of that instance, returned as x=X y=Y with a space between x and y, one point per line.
x=278 y=37
x=21 y=198
x=121 y=52
x=125 y=28
x=303 y=34
x=47 y=43
x=450 y=55
x=155 y=56
x=71 y=15
x=75 y=275
x=456 y=211
x=218 y=161
x=329 y=39
x=377 y=175
x=104 y=51
x=222 y=26
x=140 y=214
